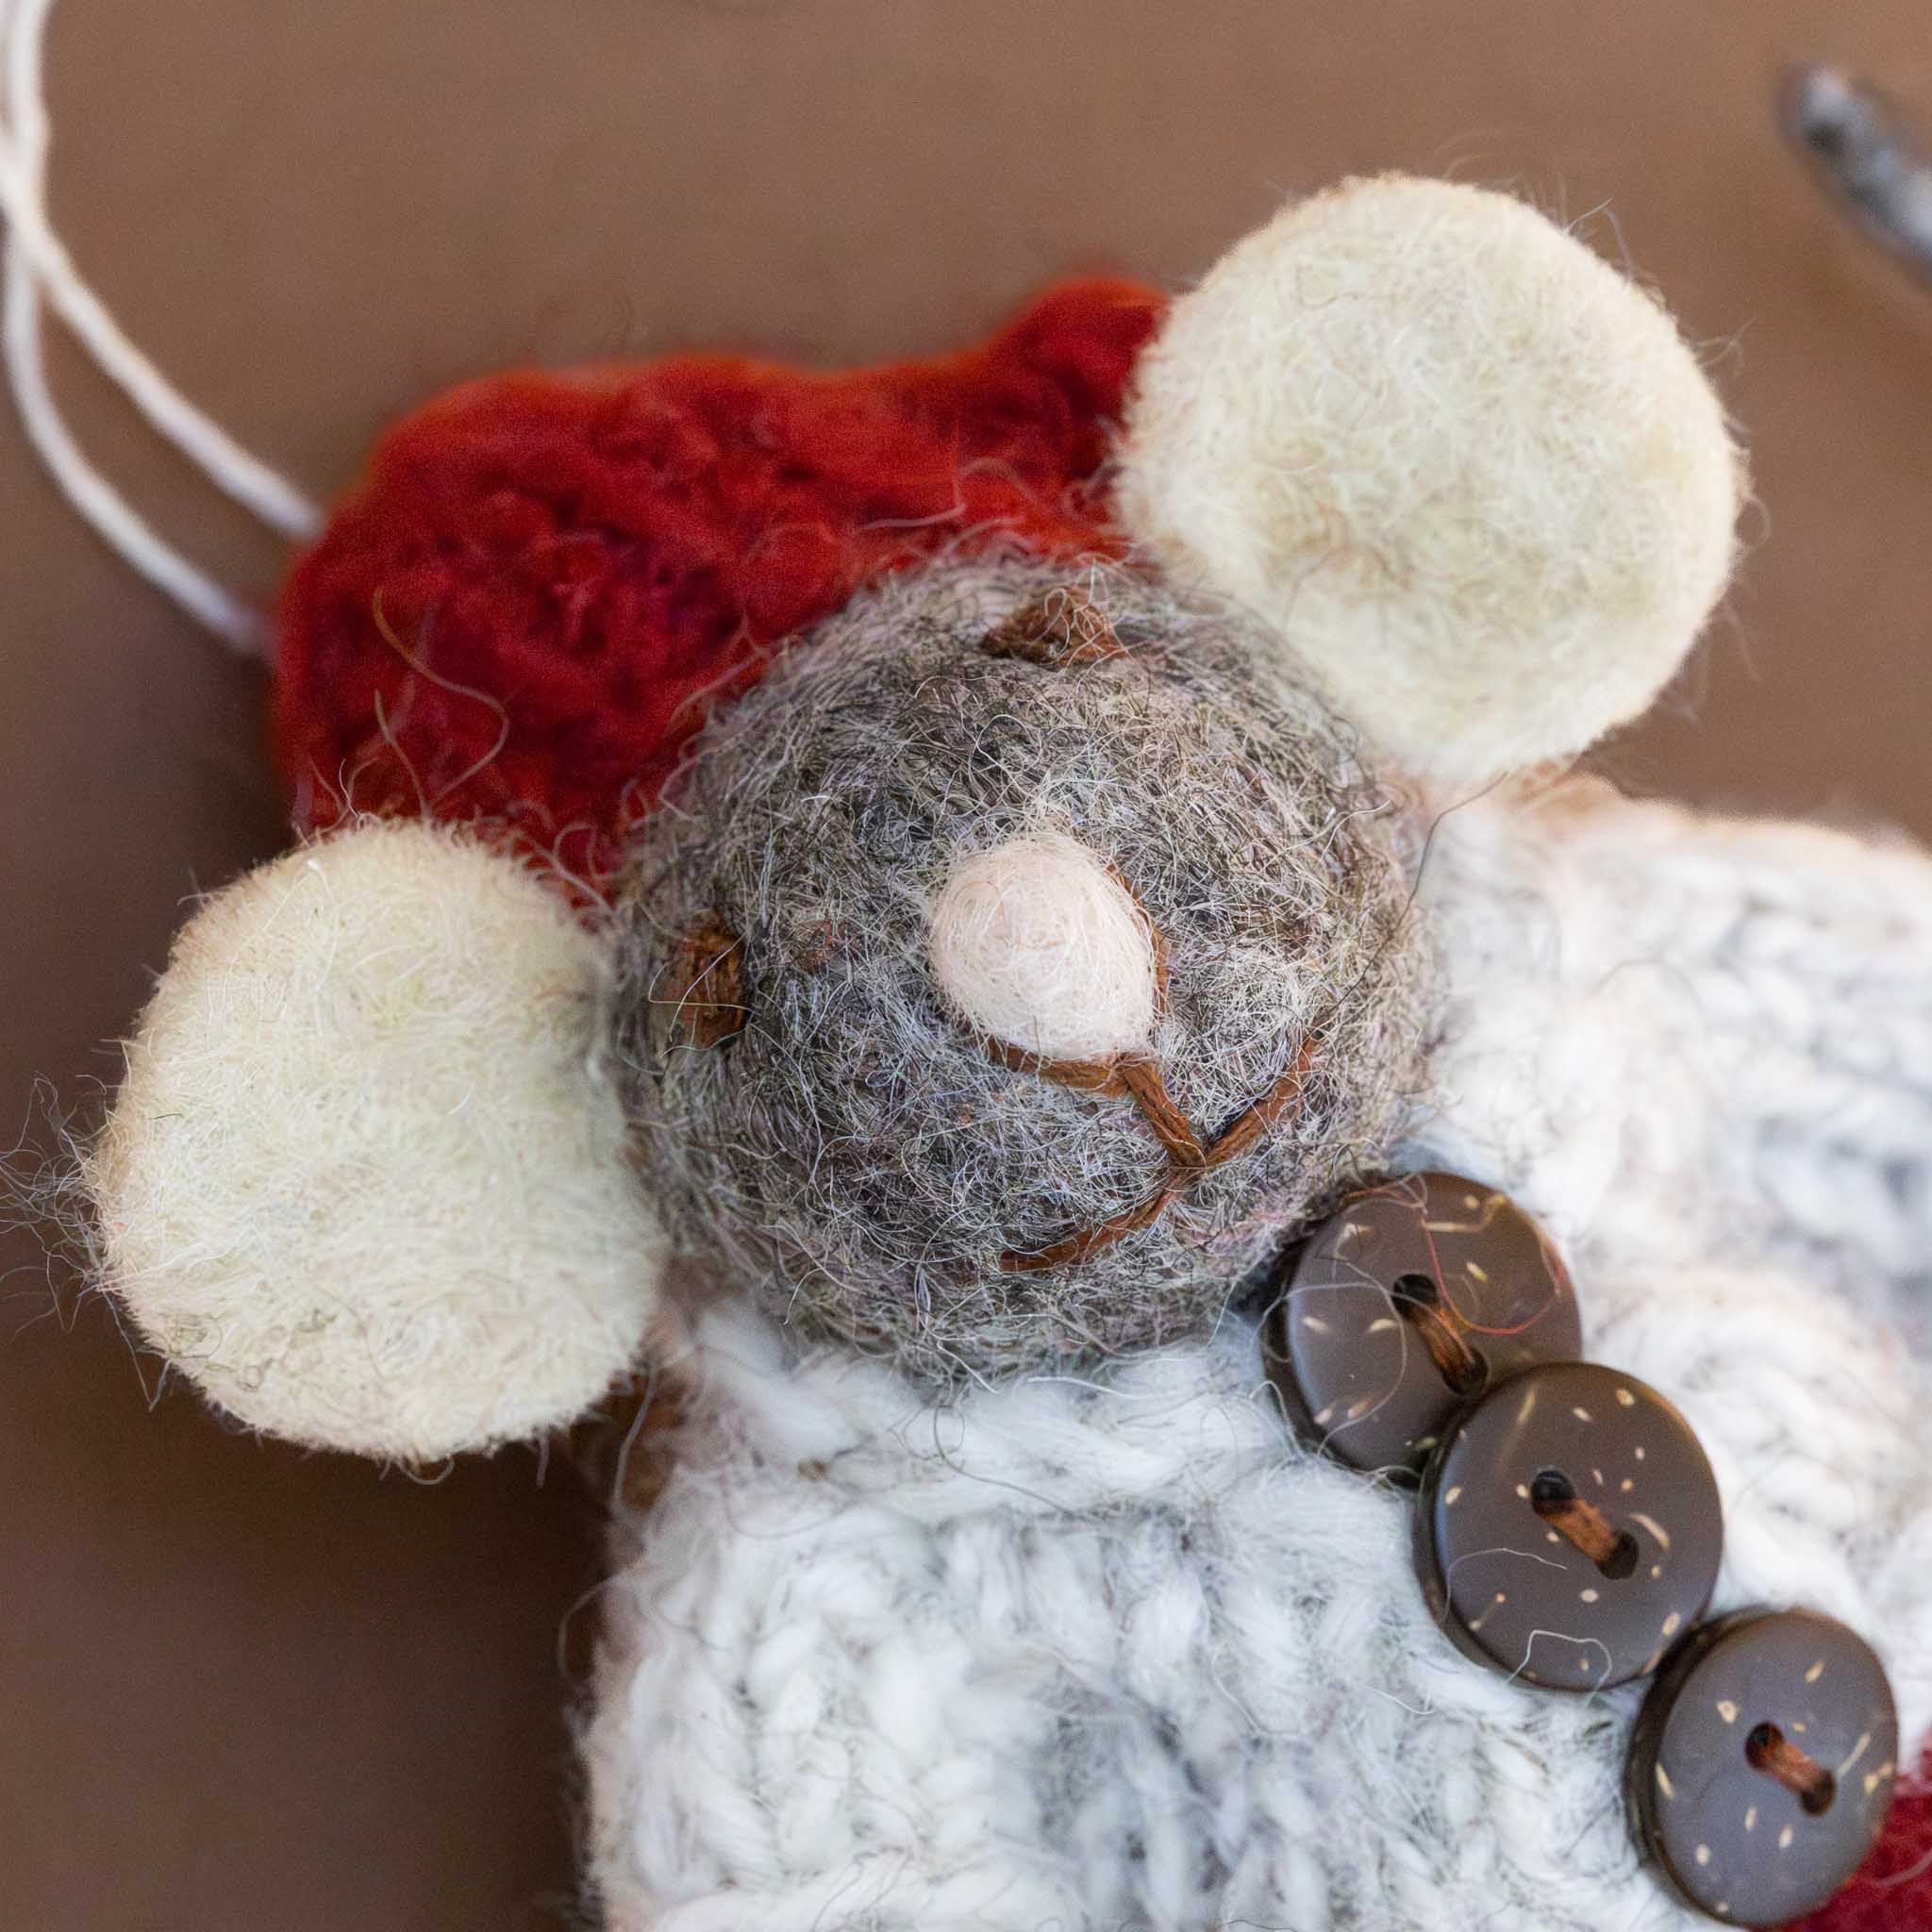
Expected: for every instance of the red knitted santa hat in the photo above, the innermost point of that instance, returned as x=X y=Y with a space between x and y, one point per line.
x=545 y=581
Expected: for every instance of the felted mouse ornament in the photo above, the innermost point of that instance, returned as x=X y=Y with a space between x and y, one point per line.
x=1242 y=1303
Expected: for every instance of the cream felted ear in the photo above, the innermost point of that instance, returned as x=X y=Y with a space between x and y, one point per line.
x=1469 y=472
x=365 y=1181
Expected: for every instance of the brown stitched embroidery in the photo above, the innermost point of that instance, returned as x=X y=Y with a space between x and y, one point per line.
x=702 y=982
x=1063 y=628
x=1248 y=1127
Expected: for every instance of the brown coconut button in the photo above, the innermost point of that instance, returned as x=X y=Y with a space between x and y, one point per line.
x=1569 y=1528
x=1763 y=1764
x=1407 y=1305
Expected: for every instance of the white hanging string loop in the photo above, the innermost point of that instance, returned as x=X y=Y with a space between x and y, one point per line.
x=38 y=270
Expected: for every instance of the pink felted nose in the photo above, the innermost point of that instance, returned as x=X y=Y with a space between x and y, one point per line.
x=1041 y=946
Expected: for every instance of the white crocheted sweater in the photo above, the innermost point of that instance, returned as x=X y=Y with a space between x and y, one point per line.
x=1092 y=1655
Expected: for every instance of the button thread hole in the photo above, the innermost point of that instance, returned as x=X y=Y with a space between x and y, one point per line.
x=1553 y=1498
x=1769 y=1751
x=1419 y=1301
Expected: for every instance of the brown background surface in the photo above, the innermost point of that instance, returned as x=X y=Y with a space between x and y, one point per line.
x=242 y=1689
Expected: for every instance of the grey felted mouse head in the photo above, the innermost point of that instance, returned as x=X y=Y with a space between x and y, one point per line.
x=1015 y=968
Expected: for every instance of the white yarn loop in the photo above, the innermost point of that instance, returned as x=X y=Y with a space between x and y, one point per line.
x=40 y=269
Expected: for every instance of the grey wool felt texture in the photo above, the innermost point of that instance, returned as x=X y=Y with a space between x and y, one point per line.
x=856 y=1150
